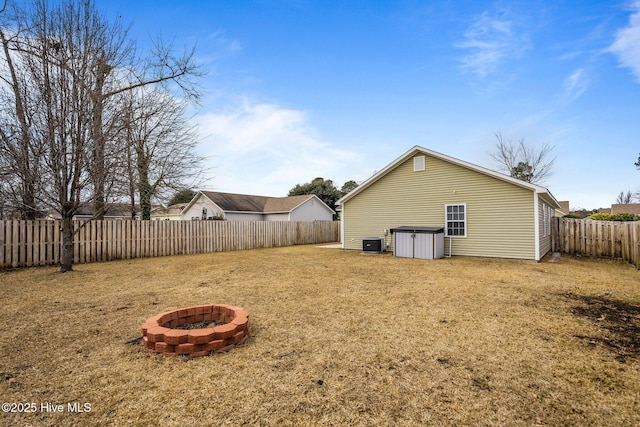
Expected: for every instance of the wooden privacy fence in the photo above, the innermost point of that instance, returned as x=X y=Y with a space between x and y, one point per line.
x=28 y=243
x=611 y=239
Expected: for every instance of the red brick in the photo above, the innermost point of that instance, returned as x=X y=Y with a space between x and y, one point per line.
x=165 y=318
x=199 y=354
x=242 y=313
x=183 y=313
x=233 y=309
x=146 y=326
x=208 y=309
x=226 y=348
x=214 y=345
x=199 y=317
x=185 y=348
x=163 y=347
x=199 y=309
x=156 y=333
x=151 y=346
x=155 y=318
x=191 y=311
x=237 y=337
x=176 y=336
x=208 y=317
x=201 y=336
x=225 y=331
x=241 y=322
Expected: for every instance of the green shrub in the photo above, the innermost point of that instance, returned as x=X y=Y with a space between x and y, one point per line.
x=615 y=217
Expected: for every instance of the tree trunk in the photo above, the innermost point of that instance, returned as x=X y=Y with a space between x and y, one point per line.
x=145 y=195
x=67 y=243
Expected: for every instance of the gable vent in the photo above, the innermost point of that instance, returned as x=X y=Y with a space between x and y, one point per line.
x=418 y=163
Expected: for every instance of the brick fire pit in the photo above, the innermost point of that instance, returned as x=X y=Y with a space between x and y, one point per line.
x=229 y=327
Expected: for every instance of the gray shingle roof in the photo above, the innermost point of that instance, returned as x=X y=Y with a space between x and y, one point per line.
x=248 y=203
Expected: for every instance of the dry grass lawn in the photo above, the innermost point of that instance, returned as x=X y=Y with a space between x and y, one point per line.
x=338 y=338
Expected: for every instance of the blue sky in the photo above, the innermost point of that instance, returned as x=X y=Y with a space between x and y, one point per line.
x=299 y=89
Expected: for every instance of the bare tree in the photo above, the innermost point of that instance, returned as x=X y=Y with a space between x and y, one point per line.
x=161 y=146
x=75 y=66
x=20 y=153
x=624 y=198
x=522 y=161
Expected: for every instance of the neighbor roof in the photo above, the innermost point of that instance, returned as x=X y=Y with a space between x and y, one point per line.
x=631 y=208
x=232 y=202
x=421 y=150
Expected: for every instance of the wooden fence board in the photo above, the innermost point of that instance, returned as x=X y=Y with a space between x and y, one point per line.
x=27 y=243
x=597 y=238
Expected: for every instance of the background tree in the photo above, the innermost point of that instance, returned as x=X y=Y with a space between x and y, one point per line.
x=182 y=196
x=324 y=189
x=524 y=162
x=625 y=198
x=161 y=146
x=348 y=186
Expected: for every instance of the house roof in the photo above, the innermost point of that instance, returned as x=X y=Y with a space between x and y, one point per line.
x=231 y=202
x=113 y=210
x=546 y=194
x=630 y=208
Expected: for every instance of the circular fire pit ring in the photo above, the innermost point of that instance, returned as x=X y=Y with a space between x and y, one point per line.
x=229 y=327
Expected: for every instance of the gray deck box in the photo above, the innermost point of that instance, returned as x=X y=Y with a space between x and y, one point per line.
x=418 y=242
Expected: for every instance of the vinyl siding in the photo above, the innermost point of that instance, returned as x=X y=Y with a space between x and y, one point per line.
x=500 y=215
x=195 y=210
x=311 y=210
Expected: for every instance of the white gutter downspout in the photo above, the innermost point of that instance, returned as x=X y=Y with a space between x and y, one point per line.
x=342 y=226
x=536 y=223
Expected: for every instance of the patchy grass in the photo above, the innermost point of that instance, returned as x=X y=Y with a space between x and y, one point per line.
x=338 y=338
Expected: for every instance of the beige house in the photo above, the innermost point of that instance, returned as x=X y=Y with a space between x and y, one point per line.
x=172 y=212
x=484 y=213
x=212 y=205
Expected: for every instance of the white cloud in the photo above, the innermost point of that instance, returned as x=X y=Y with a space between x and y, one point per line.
x=575 y=84
x=627 y=44
x=266 y=149
x=491 y=40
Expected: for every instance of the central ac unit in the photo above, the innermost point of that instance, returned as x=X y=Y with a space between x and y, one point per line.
x=373 y=244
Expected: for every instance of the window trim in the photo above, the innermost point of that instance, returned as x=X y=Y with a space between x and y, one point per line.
x=446 y=220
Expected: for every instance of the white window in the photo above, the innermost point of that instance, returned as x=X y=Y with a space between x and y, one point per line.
x=456 y=220
x=547 y=216
x=419 y=163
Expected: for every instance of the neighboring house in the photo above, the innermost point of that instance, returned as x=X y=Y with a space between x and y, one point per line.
x=172 y=212
x=114 y=211
x=564 y=209
x=484 y=213
x=630 y=208
x=213 y=205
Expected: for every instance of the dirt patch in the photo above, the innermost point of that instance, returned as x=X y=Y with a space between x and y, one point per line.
x=199 y=325
x=620 y=320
